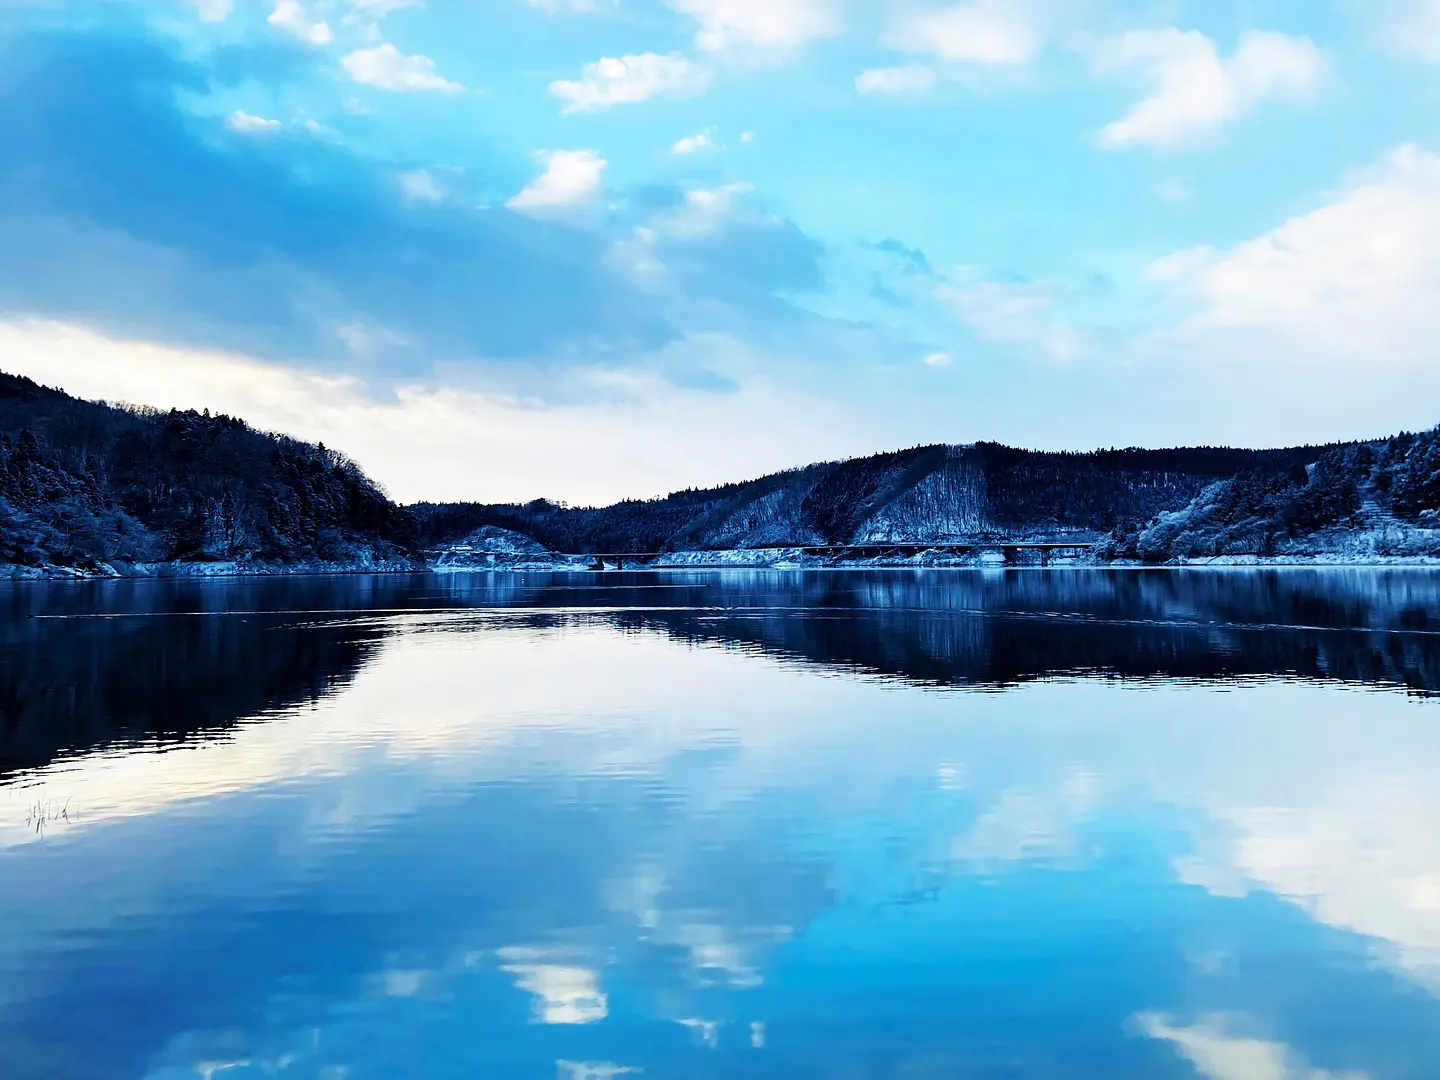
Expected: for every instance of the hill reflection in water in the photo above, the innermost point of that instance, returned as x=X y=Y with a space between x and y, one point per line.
x=970 y=629
x=712 y=825
x=104 y=663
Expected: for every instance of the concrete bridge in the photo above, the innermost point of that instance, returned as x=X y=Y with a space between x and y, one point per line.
x=1011 y=549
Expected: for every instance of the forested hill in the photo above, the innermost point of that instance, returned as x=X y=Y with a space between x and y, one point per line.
x=103 y=489
x=1356 y=499
x=91 y=486
x=928 y=493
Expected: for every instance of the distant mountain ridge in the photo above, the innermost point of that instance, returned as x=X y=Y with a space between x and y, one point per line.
x=92 y=488
x=1153 y=505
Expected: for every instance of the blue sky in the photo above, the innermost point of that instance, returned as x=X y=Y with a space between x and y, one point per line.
x=597 y=248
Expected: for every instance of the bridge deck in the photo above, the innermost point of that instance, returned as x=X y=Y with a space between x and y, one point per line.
x=960 y=547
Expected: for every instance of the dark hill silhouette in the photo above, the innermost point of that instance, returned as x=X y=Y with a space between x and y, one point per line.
x=84 y=484
x=94 y=488
x=1154 y=505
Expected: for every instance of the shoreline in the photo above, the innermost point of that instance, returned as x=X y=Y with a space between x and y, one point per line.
x=697 y=561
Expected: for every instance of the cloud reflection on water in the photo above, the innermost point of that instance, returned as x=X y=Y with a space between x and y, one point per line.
x=567 y=829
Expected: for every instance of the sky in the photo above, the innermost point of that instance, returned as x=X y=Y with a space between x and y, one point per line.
x=594 y=249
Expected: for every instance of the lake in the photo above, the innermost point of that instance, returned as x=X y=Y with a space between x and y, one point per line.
x=1063 y=824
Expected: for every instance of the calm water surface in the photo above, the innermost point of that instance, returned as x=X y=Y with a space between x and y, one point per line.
x=1060 y=825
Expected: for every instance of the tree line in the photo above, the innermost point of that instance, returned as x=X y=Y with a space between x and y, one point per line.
x=84 y=483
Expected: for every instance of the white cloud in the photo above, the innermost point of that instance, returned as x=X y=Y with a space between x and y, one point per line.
x=376 y=10
x=213 y=10
x=1016 y=313
x=981 y=32
x=768 y=24
x=703 y=211
x=624 y=80
x=909 y=79
x=571 y=178
x=248 y=124
x=365 y=16
x=693 y=144
x=289 y=16
x=939 y=359
x=747 y=137
x=419 y=186
x=553 y=6
x=1357 y=279
x=368 y=339
x=386 y=68
x=1197 y=90
x=1219 y=1055
x=637 y=259
x=1411 y=27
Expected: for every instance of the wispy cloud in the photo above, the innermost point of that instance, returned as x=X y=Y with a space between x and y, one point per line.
x=908 y=79
x=625 y=80
x=1410 y=27
x=249 y=124
x=996 y=32
x=213 y=10
x=387 y=68
x=1197 y=90
x=1019 y=313
x=418 y=186
x=554 y=6
x=378 y=9
x=770 y=24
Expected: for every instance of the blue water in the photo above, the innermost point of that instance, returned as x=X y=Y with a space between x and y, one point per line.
x=1026 y=824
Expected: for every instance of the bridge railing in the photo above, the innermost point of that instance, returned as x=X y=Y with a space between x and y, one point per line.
x=1009 y=548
